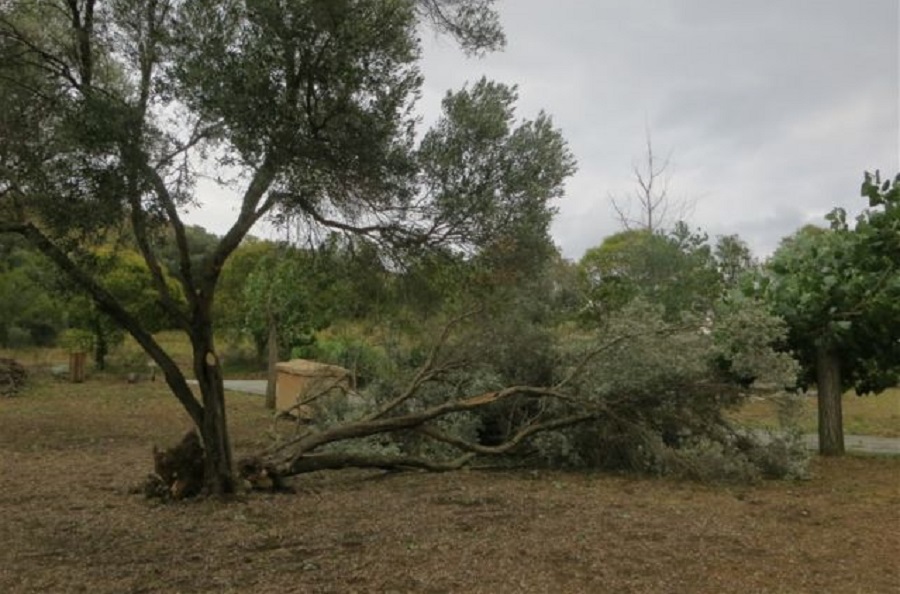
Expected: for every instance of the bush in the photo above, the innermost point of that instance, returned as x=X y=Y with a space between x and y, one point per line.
x=663 y=396
x=364 y=361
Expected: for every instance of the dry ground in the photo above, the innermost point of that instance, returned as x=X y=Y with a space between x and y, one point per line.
x=67 y=523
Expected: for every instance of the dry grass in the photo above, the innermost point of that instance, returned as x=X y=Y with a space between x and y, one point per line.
x=128 y=357
x=863 y=415
x=68 y=454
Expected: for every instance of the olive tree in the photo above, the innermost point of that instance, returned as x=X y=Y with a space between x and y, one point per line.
x=115 y=108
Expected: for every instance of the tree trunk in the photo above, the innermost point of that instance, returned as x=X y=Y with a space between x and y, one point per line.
x=831 y=423
x=214 y=429
x=271 y=374
x=101 y=346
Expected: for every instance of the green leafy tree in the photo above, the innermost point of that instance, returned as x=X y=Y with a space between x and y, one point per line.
x=839 y=291
x=124 y=274
x=116 y=111
x=675 y=270
x=228 y=309
x=734 y=260
x=286 y=300
x=201 y=244
x=29 y=312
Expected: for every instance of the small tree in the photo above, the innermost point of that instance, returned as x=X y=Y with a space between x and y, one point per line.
x=675 y=270
x=124 y=274
x=656 y=210
x=839 y=291
x=285 y=302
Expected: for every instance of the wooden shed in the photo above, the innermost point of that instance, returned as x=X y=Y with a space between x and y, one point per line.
x=300 y=379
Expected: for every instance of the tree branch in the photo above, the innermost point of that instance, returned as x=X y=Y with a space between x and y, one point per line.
x=83 y=24
x=309 y=210
x=111 y=307
x=511 y=443
x=259 y=185
x=426 y=372
x=184 y=250
x=337 y=461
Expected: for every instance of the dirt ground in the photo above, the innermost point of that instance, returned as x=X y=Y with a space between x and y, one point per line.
x=68 y=455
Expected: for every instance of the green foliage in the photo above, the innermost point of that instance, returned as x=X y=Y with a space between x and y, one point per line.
x=660 y=385
x=839 y=289
x=676 y=270
x=491 y=181
x=741 y=460
x=364 y=360
x=229 y=307
x=287 y=289
x=300 y=79
x=474 y=23
x=29 y=313
x=125 y=275
x=734 y=260
x=77 y=341
x=201 y=245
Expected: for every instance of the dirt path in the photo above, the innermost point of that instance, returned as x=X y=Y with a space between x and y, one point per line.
x=862 y=443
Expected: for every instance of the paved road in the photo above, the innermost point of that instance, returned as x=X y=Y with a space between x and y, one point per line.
x=245 y=386
x=862 y=443
x=853 y=443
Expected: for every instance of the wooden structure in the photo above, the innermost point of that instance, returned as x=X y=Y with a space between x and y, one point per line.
x=311 y=383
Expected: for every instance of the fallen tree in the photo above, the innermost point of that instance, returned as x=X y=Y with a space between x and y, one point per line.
x=600 y=402
x=641 y=394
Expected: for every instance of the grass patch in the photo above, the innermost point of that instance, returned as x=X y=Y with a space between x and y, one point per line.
x=238 y=358
x=863 y=415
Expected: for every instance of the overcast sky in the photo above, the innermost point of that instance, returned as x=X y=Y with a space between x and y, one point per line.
x=770 y=110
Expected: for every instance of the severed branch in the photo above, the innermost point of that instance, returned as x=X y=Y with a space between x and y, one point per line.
x=428 y=371
x=301 y=452
x=338 y=461
x=513 y=442
x=290 y=456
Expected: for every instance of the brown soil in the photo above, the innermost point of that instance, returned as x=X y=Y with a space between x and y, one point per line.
x=68 y=455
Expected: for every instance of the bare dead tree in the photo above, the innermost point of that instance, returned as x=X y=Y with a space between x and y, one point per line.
x=656 y=209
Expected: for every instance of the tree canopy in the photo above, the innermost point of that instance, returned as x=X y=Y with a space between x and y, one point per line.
x=113 y=110
x=838 y=288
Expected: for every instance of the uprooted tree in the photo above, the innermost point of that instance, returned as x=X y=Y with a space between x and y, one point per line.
x=638 y=392
x=112 y=110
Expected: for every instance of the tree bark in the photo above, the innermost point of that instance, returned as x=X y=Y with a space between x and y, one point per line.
x=831 y=423
x=272 y=361
x=101 y=348
x=217 y=471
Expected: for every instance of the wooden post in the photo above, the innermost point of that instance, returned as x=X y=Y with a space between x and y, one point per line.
x=77 y=362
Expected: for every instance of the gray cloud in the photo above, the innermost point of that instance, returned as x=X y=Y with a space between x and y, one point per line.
x=771 y=110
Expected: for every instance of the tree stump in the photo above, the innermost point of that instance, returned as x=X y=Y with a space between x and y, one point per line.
x=12 y=377
x=178 y=470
